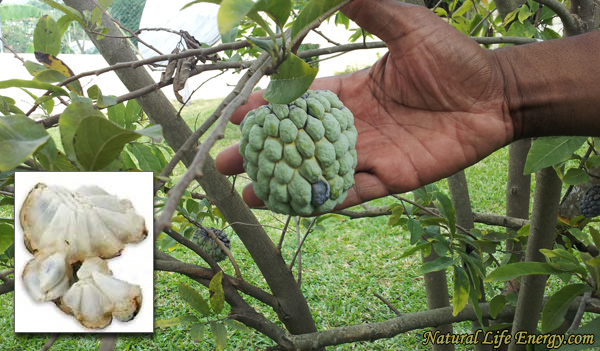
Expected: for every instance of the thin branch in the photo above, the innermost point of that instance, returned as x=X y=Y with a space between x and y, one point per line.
x=479 y=217
x=303 y=239
x=125 y=28
x=203 y=52
x=387 y=303
x=563 y=13
x=108 y=342
x=236 y=98
x=4 y=276
x=285 y=227
x=166 y=263
x=7 y=287
x=2 y=192
x=9 y=48
x=481 y=22
x=325 y=37
x=50 y=342
x=316 y=23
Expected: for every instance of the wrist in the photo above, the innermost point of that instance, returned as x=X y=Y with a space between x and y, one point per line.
x=551 y=88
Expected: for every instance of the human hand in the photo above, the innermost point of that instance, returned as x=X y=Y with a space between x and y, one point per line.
x=433 y=105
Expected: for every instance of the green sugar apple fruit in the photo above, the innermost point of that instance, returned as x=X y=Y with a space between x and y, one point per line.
x=301 y=156
x=206 y=242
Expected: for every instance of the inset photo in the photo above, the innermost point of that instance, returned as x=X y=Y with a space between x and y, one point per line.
x=83 y=252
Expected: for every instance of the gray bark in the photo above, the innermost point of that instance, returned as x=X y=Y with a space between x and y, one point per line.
x=541 y=236
x=461 y=200
x=293 y=311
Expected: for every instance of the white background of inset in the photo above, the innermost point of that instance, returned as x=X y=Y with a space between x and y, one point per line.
x=134 y=265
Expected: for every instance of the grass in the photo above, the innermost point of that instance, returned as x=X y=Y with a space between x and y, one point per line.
x=343 y=266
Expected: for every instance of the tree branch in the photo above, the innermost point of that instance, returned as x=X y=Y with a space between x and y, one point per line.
x=404 y=323
x=571 y=26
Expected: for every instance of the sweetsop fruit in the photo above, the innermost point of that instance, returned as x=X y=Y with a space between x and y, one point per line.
x=301 y=156
x=590 y=204
x=208 y=245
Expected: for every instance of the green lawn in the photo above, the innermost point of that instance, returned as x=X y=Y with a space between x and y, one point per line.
x=343 y=266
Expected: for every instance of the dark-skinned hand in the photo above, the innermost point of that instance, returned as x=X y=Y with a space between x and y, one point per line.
x=433 y=105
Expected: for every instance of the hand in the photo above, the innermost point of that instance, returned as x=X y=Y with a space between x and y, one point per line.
x=433 y=105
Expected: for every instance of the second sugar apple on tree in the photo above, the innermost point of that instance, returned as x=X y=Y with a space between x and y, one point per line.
x=300 y=156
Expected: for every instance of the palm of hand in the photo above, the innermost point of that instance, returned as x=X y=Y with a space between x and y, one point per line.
x=430 y=107
x=429 y=110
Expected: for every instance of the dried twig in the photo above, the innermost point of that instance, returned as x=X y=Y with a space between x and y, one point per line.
x=388 y=304
x=50 y=342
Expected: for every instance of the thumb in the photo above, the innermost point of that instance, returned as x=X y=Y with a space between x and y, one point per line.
x=387 y=19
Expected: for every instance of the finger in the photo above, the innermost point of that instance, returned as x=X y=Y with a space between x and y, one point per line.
x=366 y=187
x=387 y=19
x=250 y=197
x=229 y=161
x=255 y=100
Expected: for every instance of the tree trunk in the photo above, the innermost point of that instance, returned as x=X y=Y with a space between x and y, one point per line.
x=293 y=311
x=436 y=289
x=541 y=236
x=461 y=200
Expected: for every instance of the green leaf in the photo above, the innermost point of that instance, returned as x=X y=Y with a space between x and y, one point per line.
x=152 y=132
x=294 y=78
x=197 y=332
x=63 y=24
x=237 y=325
x=171 y=322
x=414 y=249
x=217 y=295
x=60 y=163
x=436 y=265
x=98 y=142
x=232 y=12
x=590 y=334
x=593 y=161
x=311 y=12
x=444 y=204
x=20 y=137
x=103 y=101
x=199 y=1
x=268 y=45
x=219 y=334
x=278 y=10
x=549 y=151
x=510 y=17
x=519 y=269
x=147 y=160
x=415 y=229
x=7 y=236
x=460 y=297
x=194 y=299
x=69 y=122
x=133 y=112
x=34 y=68
x=595 y=236
x=524 y=13
x=556 y=308
x=466 y=6
x=46 y=36
x=71 y=12
x=497 y=305
x=575 y=176
x=20 y=83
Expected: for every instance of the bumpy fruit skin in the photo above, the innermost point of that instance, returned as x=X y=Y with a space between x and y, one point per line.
x=208 y=245
x=301 y=156
x=590 y=205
